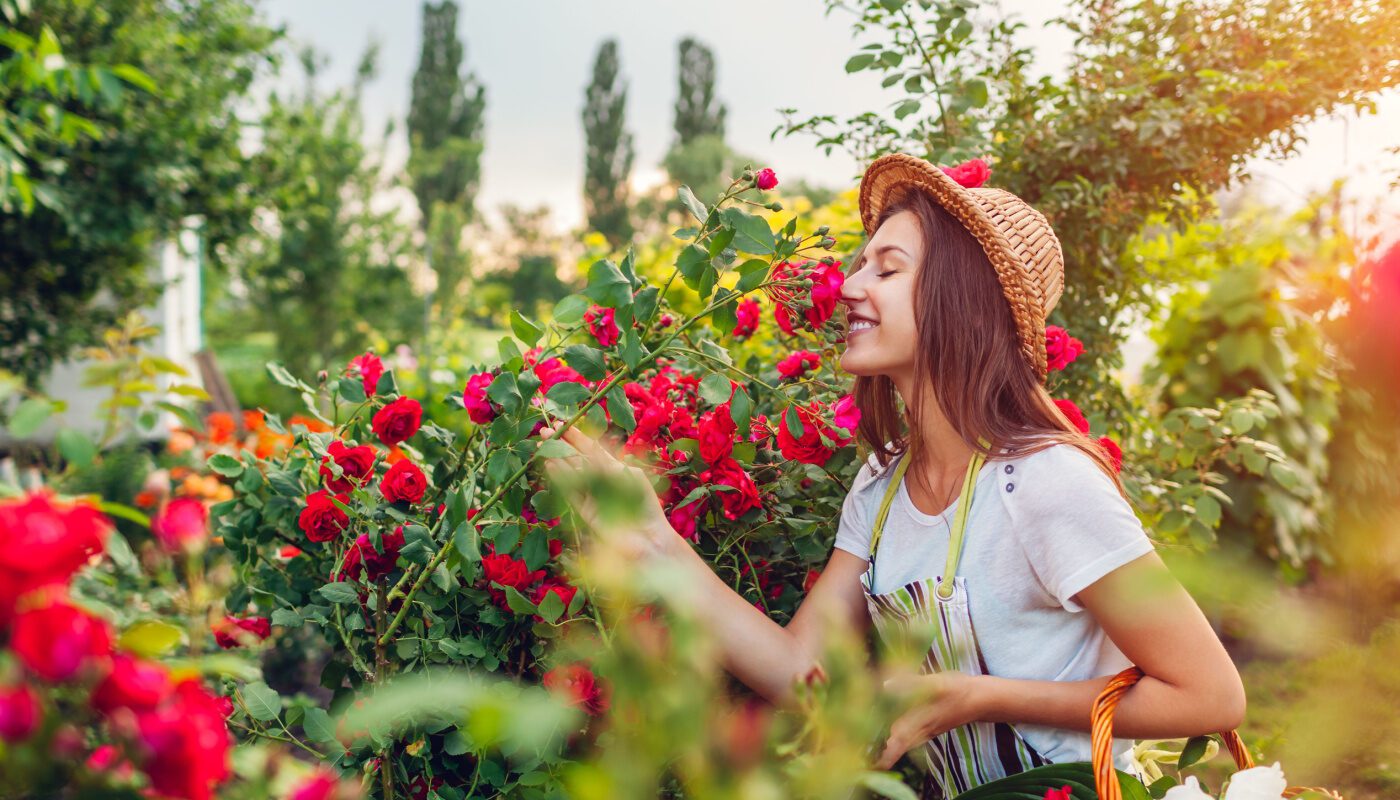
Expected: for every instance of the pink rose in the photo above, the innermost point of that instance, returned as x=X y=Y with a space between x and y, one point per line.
x=766 y=179
x=845 y=413
x=794 y=365
x=369 y=368
x=182 y=525
x=969 y=174
x=1061 y=349
x=602 y=324
x=477 y=402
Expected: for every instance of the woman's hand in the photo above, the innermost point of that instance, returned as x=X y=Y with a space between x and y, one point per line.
x=650 y=531
x=942 y=701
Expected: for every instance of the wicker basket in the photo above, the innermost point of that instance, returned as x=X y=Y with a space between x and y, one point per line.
x=1101 y=733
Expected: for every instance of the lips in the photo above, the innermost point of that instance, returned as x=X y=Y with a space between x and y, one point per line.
x=855 y=323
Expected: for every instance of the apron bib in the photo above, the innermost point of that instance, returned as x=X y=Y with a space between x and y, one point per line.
x=972 y=754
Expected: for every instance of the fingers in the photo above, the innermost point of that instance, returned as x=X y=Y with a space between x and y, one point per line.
x=898 y=743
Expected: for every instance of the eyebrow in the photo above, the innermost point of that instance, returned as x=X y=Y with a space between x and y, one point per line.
x=885 y=248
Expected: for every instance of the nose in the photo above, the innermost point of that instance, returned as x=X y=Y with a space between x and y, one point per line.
x=853 y=288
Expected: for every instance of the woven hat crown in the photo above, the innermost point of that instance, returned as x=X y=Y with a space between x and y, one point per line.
x=1017 y=239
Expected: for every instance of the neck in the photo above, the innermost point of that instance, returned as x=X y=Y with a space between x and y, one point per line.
x=942 y=450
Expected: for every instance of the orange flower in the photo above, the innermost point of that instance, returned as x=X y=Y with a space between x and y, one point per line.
x=179 y=442
x=145 y=499
x=253 y=419
x=221 y=427
x=395 y=456
x=312 y=424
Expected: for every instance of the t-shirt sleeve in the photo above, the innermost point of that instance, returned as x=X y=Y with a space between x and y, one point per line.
x=853 y=529
x=1072 y=523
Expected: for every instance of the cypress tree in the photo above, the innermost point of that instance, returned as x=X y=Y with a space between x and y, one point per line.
x=609 y=152
x=697 y=113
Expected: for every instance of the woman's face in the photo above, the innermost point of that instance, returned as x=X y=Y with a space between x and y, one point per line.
x=881 y=336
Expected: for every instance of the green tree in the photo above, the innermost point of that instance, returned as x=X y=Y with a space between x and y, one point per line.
x=327 y=269
x=609 y=154
x=445 y=121
x=163 y=154
x=697 y=112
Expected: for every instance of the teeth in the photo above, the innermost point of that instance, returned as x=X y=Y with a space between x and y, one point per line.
x=861 y=325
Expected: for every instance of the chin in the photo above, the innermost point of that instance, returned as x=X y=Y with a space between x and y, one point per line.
x=855 y=365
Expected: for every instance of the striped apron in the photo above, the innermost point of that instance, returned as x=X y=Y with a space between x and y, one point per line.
x=978 y=752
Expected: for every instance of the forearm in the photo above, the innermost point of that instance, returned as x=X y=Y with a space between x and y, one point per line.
x=759 y=652
x=1153 y=709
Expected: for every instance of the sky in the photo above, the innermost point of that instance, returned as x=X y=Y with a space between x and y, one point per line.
x=535 y=58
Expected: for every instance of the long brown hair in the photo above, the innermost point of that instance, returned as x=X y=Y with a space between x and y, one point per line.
x=969 y=356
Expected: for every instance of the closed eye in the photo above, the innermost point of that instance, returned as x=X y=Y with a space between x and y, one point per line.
x=886 y=272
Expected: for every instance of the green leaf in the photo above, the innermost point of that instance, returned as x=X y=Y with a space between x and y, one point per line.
x=715 y=389
x=340 y=592
x=693 y=262
x=555 y=448
x=1159 y=787
x=150 y=638
x=693 y=205
x=280 y=374
x=1192 y=751
x=76 y=447
x=318 y=726
x=569 y=311
x=741 y=410
x=517 y=601
x=505 y=391
x=226 y=465
x=1034 y=783
x=976 y=92
x=632 y=350
x=753 y=272
x=286 y=618
x=1208 y=510
x=887 y=784
x=621 y=409
x=587 y=360
x=859 y=62
x=119 y=550
x=752 y=234
x=29 y=415
x=906 y=108
x=351 y=390
x=262 y=701
x=524 y=329
x=607 y=285
x=467 y=542
x=793 y=422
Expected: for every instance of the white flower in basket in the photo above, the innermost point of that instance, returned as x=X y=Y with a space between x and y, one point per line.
x=1259 y=783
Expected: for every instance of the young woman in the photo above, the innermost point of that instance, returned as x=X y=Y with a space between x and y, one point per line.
x=982 y=511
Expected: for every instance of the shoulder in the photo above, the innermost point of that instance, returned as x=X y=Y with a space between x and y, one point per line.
x=1057 y=476
x=870 y=477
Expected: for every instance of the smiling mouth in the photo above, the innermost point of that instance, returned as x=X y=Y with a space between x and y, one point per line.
x=859 y=326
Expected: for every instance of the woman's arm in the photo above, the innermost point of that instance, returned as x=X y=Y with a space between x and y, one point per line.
x=1190 y=686
x=762 y=654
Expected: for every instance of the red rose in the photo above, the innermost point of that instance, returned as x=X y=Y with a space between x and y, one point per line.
x=234 y=631
x=183 y=525
x=552 y=371
x=665 y=321
x=811 y=579
x=766 y=179
x=602 y=323
x=1061 y=793
x=1061 y=349
x=55 y=641
x=685 y=519
x=758 y=429
x=794 y=365
x=729 y=472
x=1115 y=453
x=579 y=686
x=322 y=520
x=403 y=482
x=363 y=558
x=43 y=542
x=809 y=448
x=320 y=786
x=289 y=551
x=132 y=683
x=479 y=406
x=717 y=435
x=969 y=174
x=1073 y=414
x=397 y=421
x=507 y=570
x=186 y=743
x=794 y=303
x=20 y=713
x=748 y=313
x=369 y=368
x=356 y=465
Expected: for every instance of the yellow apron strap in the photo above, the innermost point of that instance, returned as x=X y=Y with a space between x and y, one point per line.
x=955 y=542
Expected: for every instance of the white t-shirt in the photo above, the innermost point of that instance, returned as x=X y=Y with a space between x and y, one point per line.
x=1041 y=528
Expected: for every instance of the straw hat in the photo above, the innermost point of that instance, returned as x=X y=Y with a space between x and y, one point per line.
x=1017 y=239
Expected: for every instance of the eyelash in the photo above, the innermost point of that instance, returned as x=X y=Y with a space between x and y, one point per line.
x=883 y=274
